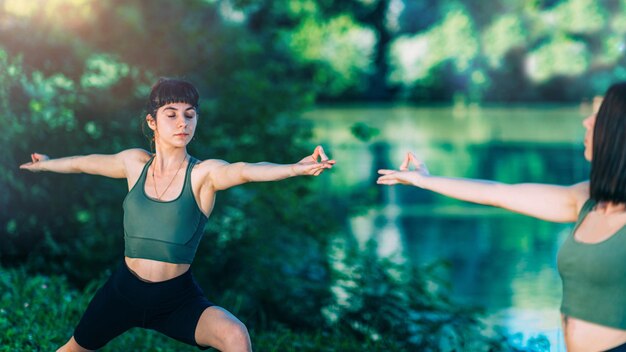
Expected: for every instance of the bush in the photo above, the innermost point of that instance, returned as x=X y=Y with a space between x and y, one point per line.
x=39 y=313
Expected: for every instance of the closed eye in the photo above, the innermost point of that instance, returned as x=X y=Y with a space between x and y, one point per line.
x=191 y=113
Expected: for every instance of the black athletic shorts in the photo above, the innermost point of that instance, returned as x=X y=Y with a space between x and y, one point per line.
x=172 y=307
x=620 y=348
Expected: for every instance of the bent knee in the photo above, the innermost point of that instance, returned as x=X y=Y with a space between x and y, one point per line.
x=72 y=346
x=236 y=334
x=220 y=329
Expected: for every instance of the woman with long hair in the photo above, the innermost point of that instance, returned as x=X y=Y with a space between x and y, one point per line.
x=592 y=260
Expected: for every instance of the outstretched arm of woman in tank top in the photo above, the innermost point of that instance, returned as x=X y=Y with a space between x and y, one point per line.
x=223 y=175
x=109 y=165
x=547 y=202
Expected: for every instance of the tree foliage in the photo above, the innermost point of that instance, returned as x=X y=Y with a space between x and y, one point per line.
x=76 y=85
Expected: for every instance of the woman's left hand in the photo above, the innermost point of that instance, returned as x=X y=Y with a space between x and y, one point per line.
x=36 y=161
x=405 y=176
x=310 y=164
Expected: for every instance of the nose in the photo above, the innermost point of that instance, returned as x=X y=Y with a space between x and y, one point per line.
x=588 y=122
x=182 y=121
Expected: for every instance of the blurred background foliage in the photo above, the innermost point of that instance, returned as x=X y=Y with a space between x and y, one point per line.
x=75 y=74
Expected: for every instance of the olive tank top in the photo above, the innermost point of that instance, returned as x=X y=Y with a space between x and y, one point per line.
x=167 y=231
x=594 y=277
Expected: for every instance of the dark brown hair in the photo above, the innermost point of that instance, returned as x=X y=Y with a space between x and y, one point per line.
x=608 y=161
x=167 y=91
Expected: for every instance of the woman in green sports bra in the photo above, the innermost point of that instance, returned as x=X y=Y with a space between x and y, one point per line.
x=170 y=198
x=592 y=260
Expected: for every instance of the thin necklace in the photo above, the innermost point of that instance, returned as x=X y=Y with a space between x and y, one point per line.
x=158 y=197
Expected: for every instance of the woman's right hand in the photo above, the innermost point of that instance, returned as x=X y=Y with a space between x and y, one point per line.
x=404 y=175
x=35 y=164
x=310 y=164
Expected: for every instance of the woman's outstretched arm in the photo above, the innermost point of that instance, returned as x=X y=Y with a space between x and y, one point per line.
x=547 y=202
x=108 y=165
x=223 y=175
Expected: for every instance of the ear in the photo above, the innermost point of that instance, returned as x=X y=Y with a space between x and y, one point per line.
x=151 y=122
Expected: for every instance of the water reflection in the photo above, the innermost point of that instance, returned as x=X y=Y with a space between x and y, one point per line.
x=502 y=261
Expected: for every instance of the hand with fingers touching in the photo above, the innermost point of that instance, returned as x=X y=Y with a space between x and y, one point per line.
x=597 y=207
x=35 y=164
x=313 y=164
x=225 y=175
x=404 y=175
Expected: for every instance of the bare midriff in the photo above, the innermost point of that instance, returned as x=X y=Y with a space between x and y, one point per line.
x=584 y=336
x=153 y=270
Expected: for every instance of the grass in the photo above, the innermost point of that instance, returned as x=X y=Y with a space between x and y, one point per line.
x=38 y=313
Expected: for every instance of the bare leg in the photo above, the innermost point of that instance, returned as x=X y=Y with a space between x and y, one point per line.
x=220 y=329
x=72 y=346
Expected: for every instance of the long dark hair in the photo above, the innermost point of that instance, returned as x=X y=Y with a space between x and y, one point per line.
x=167 y=91
x=608 y=161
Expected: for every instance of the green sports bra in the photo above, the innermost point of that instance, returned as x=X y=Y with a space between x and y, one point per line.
x=167 y=231
x=594 y=277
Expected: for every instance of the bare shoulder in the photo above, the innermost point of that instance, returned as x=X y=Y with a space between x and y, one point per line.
x=205 y=167
x=203 y=173
x=580 y=193
x=134 y=160
x=134 y=155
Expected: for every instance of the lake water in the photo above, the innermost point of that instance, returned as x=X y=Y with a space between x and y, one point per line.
x=498 y=260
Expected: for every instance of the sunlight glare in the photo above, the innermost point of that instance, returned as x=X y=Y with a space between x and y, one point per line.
x=54 y=11
x=21 y=8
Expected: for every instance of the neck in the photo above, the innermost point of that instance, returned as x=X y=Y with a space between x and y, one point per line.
x=166 y=158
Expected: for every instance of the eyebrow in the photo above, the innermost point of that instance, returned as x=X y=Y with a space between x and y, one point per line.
x=173 y=108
